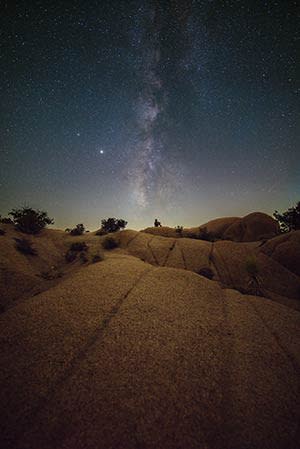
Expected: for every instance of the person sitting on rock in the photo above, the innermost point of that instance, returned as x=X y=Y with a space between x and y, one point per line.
x=157 y=223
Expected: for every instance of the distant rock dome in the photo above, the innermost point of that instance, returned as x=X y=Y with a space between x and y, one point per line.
x=253 y=227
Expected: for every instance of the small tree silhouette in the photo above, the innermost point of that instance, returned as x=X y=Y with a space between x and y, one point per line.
x=78 y=230
x=6 y=220
x=290 y=219
x=113 y=224
x=30 y=221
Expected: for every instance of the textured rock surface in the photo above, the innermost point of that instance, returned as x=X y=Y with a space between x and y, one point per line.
x=124 y=354
x=226 y=259
x=286 y=250
x=19 y=274
x=23 y=275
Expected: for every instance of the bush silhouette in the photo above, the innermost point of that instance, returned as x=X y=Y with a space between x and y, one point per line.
x=290 y=219
x=25 y=247
x=101 y=232
x=6 y=220
x=75 y=248
x=252 y=269
x=110 y=243
x=179 y=230
x=83 y=257
x=78 y=246
x=113 y=224
x=30 y=221
x=205 y=235
x=251 y=266
x=2 y=232
x=97 y=258
x=70 y=256
x=78 y=230
x=53 y=273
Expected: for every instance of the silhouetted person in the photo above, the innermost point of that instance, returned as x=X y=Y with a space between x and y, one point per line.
x=157 y=223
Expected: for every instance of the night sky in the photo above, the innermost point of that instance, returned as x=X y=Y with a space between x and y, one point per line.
x=178 y=110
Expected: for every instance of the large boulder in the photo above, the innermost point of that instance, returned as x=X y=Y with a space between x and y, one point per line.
x=216 y=228
x=285 y=249
x=251 y=228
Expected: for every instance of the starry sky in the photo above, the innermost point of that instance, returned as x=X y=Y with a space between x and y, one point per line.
x=181 y=110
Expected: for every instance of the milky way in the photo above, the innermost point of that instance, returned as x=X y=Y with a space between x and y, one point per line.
x=155 y=180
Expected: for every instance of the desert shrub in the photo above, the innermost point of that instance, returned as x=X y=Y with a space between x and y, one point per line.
x=251 y=266
x=78 y=230
x=30 y=221
x=113 y=224
x=205 y=235
x=68 y=230
x=110 y=243
x=179 y=230
x=290 y=219
x=206 y=272
x=25 y=247
x=78 y=246
x=53 y=273
x=97 y=258
x=254 y=284
x=83 y=257
x=6 y=220
x=193 y=235
x=101 y=232
x=74 y=249
x=70 y=256
x=2 y=232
